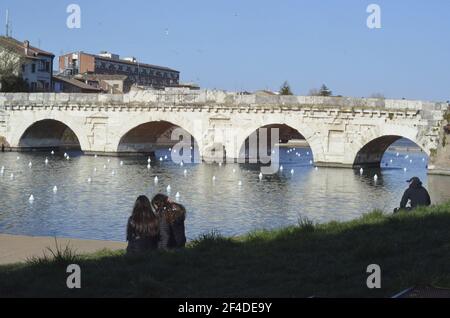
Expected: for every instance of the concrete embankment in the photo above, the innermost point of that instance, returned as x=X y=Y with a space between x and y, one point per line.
x=16 y=249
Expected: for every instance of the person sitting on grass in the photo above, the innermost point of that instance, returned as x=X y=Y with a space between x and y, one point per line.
x=142 y=228
x=416 y=194
x=171 y=218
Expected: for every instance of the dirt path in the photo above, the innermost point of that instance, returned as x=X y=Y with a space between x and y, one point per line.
x=16 y=249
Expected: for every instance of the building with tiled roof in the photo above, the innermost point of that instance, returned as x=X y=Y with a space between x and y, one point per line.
x=35 y=66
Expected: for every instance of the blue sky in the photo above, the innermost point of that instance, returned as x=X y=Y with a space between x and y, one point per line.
x=257 y=44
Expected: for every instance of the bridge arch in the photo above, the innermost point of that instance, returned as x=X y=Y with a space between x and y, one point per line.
x=311 y=136
x=49 y=133
x=73 y=123
x=371 y=149
x=147 y=135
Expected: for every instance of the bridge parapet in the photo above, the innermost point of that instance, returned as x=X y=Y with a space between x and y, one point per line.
x=206 y=98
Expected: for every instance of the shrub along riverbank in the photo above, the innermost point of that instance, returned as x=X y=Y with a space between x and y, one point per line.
x=324 y=260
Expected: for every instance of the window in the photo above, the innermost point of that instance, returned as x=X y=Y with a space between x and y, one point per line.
x=33 y=70
x=47 y=66
x=23 y=68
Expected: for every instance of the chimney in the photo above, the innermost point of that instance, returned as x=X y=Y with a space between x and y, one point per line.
x=26 y=45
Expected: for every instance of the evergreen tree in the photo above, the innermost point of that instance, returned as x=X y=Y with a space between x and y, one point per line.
x=285 y=89
x=325 y=91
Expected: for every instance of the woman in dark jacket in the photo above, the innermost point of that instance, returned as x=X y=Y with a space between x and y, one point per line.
x=142 y=228
x=171 y=219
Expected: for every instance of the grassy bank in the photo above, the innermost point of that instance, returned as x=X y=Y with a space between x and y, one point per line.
x=305 y=260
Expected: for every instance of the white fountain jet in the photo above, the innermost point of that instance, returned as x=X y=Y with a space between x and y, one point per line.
x=361 y=171
x=169 y=188
x=177 y=196
x=292 y=171
x=261 y=176
x=52 y=153
x=156 y=180
x=55 y=189
x=375 y=177
x=31 y=198
x=46 y=161
x=121 y=163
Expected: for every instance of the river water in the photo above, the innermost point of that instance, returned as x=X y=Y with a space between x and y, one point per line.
x=100 y=209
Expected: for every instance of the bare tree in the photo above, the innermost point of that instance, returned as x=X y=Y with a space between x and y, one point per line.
x=314 y=92
x=377 y=96
x=10 y=71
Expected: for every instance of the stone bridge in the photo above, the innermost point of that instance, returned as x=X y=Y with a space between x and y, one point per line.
x=342 y=132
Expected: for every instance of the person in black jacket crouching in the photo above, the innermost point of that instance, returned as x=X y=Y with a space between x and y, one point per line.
x=416 y=194
x=171 y=217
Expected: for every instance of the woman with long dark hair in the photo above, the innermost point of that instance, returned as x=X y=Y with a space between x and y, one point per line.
x=142 y=228
x=171 y=219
